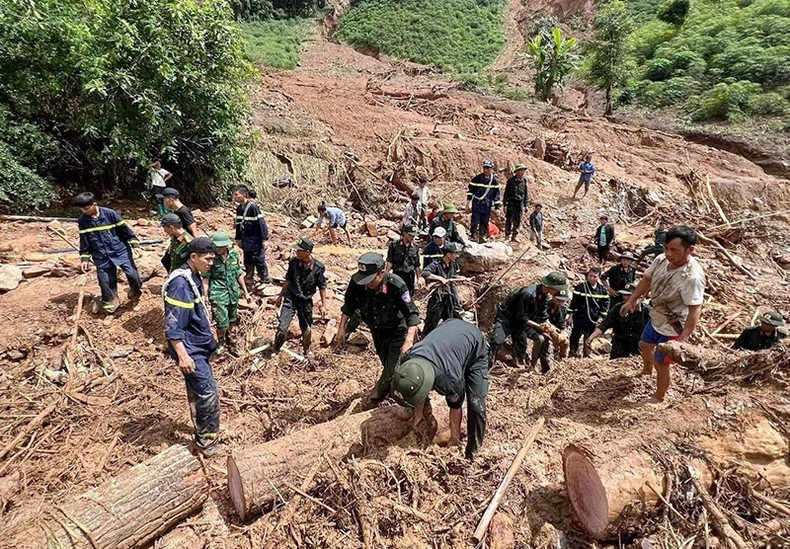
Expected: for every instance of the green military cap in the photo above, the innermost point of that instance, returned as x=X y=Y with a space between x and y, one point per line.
x=410 y=229
x=450 y=208
x=555 y=280
x=369 y=265
x=773 y=318
x=304 y=245
x=563 y=295
x=627 y=255
x=171 y=219
x=221 y=240
x=412 y=382
x=629 y=289
x=451 y=248
x=520 y=167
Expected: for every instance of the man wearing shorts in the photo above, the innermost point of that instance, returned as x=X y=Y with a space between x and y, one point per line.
x=676 y=282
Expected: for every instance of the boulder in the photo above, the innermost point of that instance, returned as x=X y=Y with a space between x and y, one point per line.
x=10 y=277
x=309 y=221
x=33 y=272
x=35 y=257
x=480 y=258
x=149 y=266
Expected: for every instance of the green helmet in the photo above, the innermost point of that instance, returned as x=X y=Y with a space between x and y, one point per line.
x=412 y=382
x=555 y=280
x=773 y=318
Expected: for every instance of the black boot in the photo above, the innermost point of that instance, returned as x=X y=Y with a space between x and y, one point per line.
x=279 y=341
x=307 y=336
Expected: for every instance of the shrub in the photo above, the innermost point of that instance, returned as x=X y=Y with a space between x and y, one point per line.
x=275 y=43
x=770 y=104
x=674 y=12
x=726 y=101
x=668 y=93
x=21 y=189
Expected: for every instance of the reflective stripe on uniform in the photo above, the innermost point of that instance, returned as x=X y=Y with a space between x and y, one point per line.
x=182 y=304
x=434 y=255
x=594 y=296
x=484 y=185
x=102 y=227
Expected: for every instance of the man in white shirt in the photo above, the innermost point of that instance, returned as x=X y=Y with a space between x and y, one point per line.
x=425 y=197
x=158 y=178
x=411 y=218
x=676 y=282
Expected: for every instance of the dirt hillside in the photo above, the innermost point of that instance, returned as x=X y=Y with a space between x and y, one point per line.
x=356 y=130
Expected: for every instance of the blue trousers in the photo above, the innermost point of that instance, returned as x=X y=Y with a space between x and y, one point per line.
x=203 y=397
x=480 y=219
x=255 y=260
x=108 y=282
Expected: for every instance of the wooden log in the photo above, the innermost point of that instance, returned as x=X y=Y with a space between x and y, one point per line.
x=482 y=526
x=259 y=475
x=32 y=425
x=33 y=218
x=727 y=255
x=129 y=511
x=732 y=538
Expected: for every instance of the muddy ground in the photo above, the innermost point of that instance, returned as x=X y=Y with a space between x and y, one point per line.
x=349 y=127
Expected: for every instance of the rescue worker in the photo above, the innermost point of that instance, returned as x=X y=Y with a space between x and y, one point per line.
x=425 y=198
x=626 y=329
x=529 y=303
x=304 y=277
x=764 y=336
x=589 y=304
x=108 y=241
x=251 y=235
x=482 y=195
x=403 y=257
x=452 y=360
x=224 y=284
x=659 y=240
x=443 y=303
x=515 y=200
x=618 y=277
x=586 y=173
x=191 y=343
x=433 y=251
x=558 y=317
x=604 y=236
x=171 y=200
x=447 y=222
x=385 y=305
x=413 y=211
x=536 y=225
x=336 y=219
x=178 y=250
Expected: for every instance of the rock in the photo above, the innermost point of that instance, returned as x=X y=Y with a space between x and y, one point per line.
x=143 y=222
x=270 y=291
x=36 y=257
x=392 y=235
x=55 y=224
x=16 y=354
x=359 y=339
x=347 y=390
x=371 y=229
x=122 y=351
x=149 y=266
x=539 y=145
x=501 y=532
x=329 y=333
x=480 y=258
x=5 y=247
x=10 y=277
x=33 y=272
x=547 y=537
x=554 y=261
x=309 y=221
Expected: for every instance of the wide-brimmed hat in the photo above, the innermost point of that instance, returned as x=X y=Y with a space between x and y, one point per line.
x=629 y=289
x=412 y=382
x=451 y=248
x=773 y=318
x=304 y=245
x=450 y=208
x=369 y=265
x=520 y=167
x=627 y=255
x=488 y=163
x=221 y=240
x=555 y=280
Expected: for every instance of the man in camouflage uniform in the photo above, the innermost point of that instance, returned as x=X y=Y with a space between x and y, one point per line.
x=224 y=283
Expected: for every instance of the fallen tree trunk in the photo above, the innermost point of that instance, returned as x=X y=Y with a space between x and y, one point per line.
x=126 y=512
x=259 y=475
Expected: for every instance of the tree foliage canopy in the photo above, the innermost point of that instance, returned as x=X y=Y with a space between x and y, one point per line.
x=94 y=89
x=554 y=57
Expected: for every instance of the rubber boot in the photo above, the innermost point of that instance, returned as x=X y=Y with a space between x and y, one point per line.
x=513 y=236
x=279 y=341
x=230 y=339
x=221 y=341
x=307 y=337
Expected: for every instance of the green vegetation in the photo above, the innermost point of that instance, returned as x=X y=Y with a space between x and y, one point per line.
x=263 y=10
x=275 y=43
x=92 y=90
x=608 y=64
x=715 y=59
x=554 y=57
x=457 y=35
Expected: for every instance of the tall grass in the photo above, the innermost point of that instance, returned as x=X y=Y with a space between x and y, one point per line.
x=275 y=43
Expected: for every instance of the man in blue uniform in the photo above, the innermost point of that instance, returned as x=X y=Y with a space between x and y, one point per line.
x=482 y=195
x=384 y=303
x=453 y=360
x=106 y=239
x=433 y=251
x=251 y=235
x=590 y=303
x=191 y=343
x=443 y=303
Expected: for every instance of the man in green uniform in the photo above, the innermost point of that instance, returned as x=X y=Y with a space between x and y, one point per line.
x=178 y=251
x=443 y=303
x=385 y=305
x=304 y=277
x=447 y=221
x=659 y=241
x=403 y=257
x=224 y=284
x=626 y=330
x=453 y=360
x=764 y=336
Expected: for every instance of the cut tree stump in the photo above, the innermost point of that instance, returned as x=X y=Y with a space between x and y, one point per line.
x=259 y=475
x=127 y=512
x=585 y=491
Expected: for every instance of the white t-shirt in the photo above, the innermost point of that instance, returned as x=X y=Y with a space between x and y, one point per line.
x=158 y=177
x=425 y=195
x=673 y=291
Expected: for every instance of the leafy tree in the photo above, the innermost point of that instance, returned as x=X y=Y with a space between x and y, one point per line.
x=608 y=61
x=103 y=86
x=554 y=58
x=674 y=12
